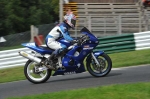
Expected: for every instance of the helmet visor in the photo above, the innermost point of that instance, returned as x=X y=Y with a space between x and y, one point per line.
x=73 y=22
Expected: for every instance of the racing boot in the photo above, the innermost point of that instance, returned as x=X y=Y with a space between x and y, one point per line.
x=51 y=61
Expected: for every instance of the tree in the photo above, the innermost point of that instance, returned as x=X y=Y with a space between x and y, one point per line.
x=2 y=18
x=14 y=17
x=17 y=15
x=55 y=6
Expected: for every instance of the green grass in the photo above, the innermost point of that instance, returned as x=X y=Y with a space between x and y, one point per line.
x=118 y=59
x=11 y=74
x=119 y=91
x=130 y=58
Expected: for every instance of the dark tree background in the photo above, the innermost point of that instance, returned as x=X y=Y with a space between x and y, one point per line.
x=17 y=15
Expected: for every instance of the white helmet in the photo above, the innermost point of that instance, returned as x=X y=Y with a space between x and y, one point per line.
x=70 y=19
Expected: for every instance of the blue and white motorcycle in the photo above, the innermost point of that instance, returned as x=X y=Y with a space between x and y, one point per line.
x=78 y=57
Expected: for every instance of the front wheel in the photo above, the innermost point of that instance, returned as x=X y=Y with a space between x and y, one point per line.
x=99 y=70
x=33 y=75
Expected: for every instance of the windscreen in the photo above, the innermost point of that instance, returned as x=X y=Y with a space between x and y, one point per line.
x=84 y=30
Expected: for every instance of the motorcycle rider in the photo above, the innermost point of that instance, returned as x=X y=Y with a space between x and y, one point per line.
x=60 y=31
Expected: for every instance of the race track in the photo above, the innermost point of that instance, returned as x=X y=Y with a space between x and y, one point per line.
x=75 y=81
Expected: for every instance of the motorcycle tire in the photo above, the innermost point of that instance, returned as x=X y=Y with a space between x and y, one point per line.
x=103 y=60
x=28 y=72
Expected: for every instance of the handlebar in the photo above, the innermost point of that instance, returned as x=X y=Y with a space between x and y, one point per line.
x=82 y=39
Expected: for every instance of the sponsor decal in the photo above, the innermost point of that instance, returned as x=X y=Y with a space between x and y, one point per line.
x=30 y=44
x=87 y=47
x=65 y=62
x=97 y=53
x=24 y=54
x=67 y=73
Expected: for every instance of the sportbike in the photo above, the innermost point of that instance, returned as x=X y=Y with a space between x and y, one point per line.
x=78 y=58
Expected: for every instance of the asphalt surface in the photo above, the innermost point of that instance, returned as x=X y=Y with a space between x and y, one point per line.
x=76 y=81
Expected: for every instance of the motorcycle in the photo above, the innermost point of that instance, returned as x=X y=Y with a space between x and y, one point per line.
x=78 y=58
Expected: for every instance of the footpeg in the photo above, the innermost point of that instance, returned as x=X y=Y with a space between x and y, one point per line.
x=48 y=65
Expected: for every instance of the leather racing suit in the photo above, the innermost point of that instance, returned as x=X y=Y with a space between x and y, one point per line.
x=51 y=41
x=54 y=35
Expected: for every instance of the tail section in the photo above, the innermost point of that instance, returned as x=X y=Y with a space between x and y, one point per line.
x=40 y=49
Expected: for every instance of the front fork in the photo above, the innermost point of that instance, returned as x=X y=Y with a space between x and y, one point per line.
x=97 y=63
x=96 y=54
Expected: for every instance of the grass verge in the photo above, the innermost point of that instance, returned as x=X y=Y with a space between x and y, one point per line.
x=11 y=74
x=118 y=59
x=130 y=58
x=122 y=91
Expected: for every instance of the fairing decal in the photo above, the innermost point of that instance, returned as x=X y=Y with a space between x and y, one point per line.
x=98 y=53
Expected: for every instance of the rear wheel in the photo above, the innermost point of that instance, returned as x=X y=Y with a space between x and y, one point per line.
x=99 y=70
x=32 y=73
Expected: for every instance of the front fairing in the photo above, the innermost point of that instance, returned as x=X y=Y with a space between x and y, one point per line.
x=92 y=38
x=85 y=48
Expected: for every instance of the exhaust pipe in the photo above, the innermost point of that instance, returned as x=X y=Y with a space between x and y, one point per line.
x=35 y=59
x=28 y=56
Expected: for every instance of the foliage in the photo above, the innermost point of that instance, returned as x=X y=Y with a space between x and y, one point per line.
x=17 y=15
x=56 y=8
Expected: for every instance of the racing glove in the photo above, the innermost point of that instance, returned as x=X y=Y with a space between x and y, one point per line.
x=74 y=41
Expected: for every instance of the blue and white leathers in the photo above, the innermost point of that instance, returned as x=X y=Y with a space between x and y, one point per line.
x=54 y=35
